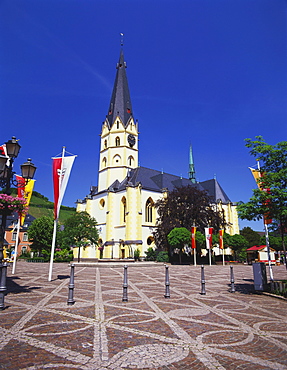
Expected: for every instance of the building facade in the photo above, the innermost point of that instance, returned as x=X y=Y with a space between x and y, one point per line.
x=11 y=235
x=123 y=202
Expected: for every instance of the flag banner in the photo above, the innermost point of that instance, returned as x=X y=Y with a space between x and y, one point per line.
x=3 y=150
x=221 y=232
x=208 y=237
x=193 y=241
x=25 y=190
x=61 y=172
x=257 y=174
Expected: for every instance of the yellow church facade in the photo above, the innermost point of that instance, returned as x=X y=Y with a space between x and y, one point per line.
x=123 y=202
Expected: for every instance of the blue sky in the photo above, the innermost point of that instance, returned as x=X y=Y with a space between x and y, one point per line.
x=204 y=72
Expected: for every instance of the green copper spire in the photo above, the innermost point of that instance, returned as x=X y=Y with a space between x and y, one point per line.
x=191 y=173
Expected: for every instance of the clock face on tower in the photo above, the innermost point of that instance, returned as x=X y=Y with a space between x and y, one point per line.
x=131 y=140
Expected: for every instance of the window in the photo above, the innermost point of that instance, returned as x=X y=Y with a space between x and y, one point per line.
x=104 y=162
x=117 y=160
x=102 y=203
x=149 y=210
x=105 y=144
x=118 y=142
x=150 y=240
x=14 y=235
x=25 y=237
x=131 y=161
x=123 y=209
x=118 y=125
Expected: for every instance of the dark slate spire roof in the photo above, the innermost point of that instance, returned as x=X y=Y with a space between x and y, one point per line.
x=152 y=180
x=120 y=101
x=215 y=191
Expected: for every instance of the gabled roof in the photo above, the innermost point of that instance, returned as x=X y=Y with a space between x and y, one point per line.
x=215 y=191
x=14 y=218
x=258 y=248
x=152 y=180
x=120 y=104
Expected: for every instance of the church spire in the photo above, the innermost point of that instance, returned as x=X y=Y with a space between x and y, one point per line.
x=191 y=173
x=120 y=104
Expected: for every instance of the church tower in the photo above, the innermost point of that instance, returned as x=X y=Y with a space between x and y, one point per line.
x=119 y=136
x=191 y=172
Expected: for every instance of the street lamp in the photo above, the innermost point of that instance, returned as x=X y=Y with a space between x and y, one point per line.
x=6 y=180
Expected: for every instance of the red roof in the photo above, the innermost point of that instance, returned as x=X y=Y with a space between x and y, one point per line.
x=256 y=248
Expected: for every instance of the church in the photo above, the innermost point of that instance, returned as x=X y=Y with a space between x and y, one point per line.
x=123 y=201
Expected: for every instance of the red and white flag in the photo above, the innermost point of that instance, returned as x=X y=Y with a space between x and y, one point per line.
x=208 y=237
x=61 y=172
x=193 y=233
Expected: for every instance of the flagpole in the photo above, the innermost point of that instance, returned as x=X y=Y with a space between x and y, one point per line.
x=266 y=237
x=56 y=222
x=16 y=246
x=53 y=249
x=194 y=256
x=223 y=262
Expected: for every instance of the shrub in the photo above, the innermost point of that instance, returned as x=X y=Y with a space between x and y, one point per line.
x=162 y=257
x=137 y=254
x=150 y=254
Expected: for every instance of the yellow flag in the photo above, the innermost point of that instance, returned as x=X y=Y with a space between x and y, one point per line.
x=25 y=191
x=257 y=175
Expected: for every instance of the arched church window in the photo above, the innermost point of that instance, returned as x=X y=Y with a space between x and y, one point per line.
x=150 y=240
x=105 y=144
x=131 y=161
x=123 y=209
x=118 y=142
x=104 y=162
x=117 y=159
x=149 y=210
x=118 y=125
x=102 y=203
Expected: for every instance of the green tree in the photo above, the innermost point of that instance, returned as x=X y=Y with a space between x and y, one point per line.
x=178 y=237
x=238 y=244
x=270 y=199
x=184 y=207
x=80 y=230
x=40 y=233
x=251 y=236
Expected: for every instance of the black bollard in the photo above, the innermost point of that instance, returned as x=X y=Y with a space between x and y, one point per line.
x=125 y=285
x=232 y=279
x=71 y=300
x=3 y=272
x=202 y=281
x=167 y=293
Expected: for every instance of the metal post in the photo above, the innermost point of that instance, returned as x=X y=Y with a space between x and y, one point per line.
x=71 y=300
x=232 y=280
x=202 y=281
x=167 y=293
x=125 y=285
x=3 y=269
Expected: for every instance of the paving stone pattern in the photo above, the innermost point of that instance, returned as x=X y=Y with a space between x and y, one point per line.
x=219 y=330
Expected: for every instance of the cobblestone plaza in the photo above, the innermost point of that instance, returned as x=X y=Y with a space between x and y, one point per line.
x=219 y=330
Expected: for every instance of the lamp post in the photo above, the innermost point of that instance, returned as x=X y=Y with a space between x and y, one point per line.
x=6 y=180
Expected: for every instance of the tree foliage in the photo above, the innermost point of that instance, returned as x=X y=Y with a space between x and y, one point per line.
x=184 y=207
x=178 y=237
x=40 y=233
x=80 y=230
x=271 y=201
x=252 y=237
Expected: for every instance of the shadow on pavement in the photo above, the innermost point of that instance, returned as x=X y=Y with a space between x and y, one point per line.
x=14 y=288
